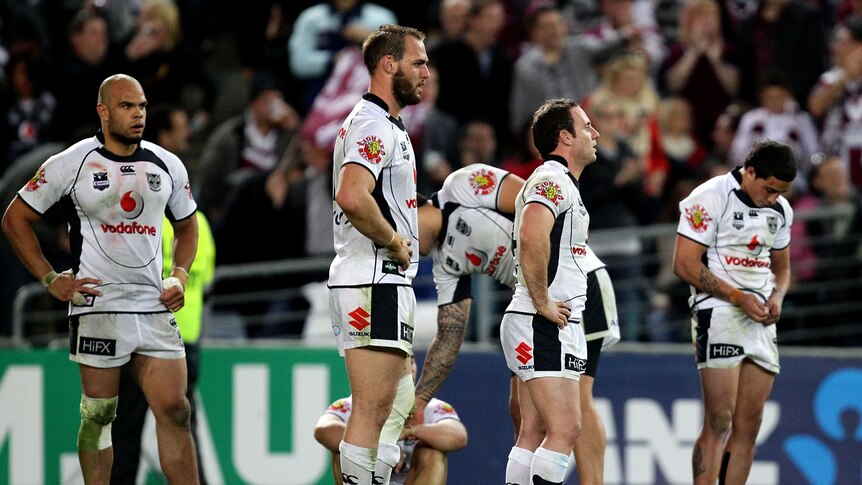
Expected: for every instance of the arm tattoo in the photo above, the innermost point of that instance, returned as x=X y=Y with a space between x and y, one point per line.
x=697 y=467
x=451 y=326
x=707 y=282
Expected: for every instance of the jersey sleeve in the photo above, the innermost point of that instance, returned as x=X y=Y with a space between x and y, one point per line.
x=438 y=410
x=699 y=216
x=370 y=143
x=51 y=182
x=181 y=203
x=476 y=185
x=556 y=196
x=340 y=408
x=782 y=237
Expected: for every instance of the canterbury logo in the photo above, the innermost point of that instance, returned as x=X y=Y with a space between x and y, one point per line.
x=523 y=351
x=127 y=169
x=349 y=479
x=360 y=318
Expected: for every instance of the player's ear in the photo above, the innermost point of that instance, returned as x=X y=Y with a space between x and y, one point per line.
x=389 y=64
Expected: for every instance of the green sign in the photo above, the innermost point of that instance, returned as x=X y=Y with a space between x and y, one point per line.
x=257 y=410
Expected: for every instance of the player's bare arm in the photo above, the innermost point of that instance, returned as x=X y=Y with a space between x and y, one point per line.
x=185 y=247
x=353 y=196
x=780 y=264
x=329 y=431
x=537 y=221
x=508 y=191
x=451 y=325
x=18 y=226
x=447 y=435
x=688 y=265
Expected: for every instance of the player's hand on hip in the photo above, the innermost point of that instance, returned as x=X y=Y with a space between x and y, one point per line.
x=401 y=250
x=173 y=294
x=774 y=312
x=556 y=312
x=65 y=287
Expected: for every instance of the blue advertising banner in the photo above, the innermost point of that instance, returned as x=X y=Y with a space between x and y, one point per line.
x=258 y=407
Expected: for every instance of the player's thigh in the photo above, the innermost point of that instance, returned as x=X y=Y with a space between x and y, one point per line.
x=163 y=381
x=719 y=388
x=755 y=385
x=98 y=382
x=556 y=399
x=374 y=373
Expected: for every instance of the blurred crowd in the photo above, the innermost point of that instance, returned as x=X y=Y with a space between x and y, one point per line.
x=251 y=97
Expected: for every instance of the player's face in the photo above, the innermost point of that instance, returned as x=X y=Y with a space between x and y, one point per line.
x=585 y=136
x=763 y=192
x=126 y=113
x=412 y=73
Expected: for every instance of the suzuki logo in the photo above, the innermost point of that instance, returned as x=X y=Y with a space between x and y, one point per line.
x=523 y=351
x=360 y=318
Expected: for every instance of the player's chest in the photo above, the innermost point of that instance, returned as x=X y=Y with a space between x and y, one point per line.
x=746 y=226
x=129 y=190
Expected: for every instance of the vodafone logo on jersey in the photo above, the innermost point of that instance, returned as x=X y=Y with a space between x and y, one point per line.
x=131 y=205
x=133 y=228
x=492 y=267
x=747 y=262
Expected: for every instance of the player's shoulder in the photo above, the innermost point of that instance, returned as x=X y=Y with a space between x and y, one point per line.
x=439 y=407
x=76 y=152
x=169 y=158
x=715 y=188
x=469 y=184
x=341 y=406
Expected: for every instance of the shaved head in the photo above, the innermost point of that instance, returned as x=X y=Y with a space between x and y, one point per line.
x=107 y=86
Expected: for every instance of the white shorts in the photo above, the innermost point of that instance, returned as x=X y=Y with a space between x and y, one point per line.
x=373 y=316
x=535 y=347
x=724 y=336
x=109 y=339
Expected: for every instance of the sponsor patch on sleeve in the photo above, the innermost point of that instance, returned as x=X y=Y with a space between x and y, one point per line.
x=550 y=191
x=37 y=181
x=697 y=218
x=483 y=181
x=371 y=149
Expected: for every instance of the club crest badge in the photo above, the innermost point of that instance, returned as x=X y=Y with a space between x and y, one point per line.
x=371 y=149
x=738 y=222
x=483 y=182
x=772 y=224
x=37 y=181
x=154 y=180
x=550 y=191
x=100 y=180
x=697 y=218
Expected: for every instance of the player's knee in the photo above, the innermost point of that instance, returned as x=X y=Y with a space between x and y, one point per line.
x=426 y=458
x=177 y=413
x=719 y=421
x=97 y=414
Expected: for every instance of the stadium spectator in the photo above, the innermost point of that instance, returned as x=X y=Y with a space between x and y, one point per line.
x=321 y=31
x=558 y=65
x=246 y=144
x=627 y=25
x=780 y=119
x=787 y=36
x=451 y=15
x=701 y=65
x=476 y=71
x=29 y=104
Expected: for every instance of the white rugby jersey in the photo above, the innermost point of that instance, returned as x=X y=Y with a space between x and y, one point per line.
x=371 y=138
x=737 y=233
x=553 y=186
x=475 y=237
x=115 y=206
x=435 y=411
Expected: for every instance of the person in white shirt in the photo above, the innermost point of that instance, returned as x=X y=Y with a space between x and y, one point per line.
x=733 y=248
x=117 y=189
x=371 y=300
x=424 y=444
x=541 y=333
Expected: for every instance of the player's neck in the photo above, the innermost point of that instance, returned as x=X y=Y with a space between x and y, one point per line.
x=119 y=148
x=383 y=90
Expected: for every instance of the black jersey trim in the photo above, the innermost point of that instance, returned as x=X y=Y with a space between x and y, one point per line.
x=119 y=313
x=446 y=212
x=497 y=199
x=366 y=285
x=692 y=240
x=373 y=98
x=547 y=347
x=170 y=215
x=29 y=206
x=521 y=313
x=562 y=161
x=546 y=206
x=76 y=238
x=382 y=204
